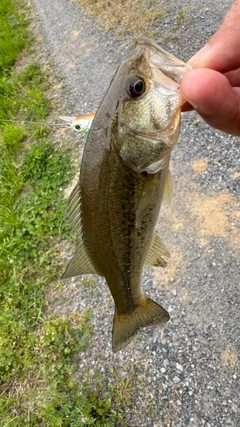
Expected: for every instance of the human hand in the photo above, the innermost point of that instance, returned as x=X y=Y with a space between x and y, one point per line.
x=213 y=86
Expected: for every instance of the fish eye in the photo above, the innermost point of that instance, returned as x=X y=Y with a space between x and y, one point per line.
x=135 y=86
x=77 y=127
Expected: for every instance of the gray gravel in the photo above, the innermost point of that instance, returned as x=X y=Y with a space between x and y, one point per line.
x=186 y=373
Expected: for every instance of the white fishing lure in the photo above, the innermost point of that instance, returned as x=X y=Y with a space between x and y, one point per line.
x=79 y=123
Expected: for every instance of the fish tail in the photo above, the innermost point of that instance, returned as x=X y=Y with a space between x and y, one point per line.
x=126 y=326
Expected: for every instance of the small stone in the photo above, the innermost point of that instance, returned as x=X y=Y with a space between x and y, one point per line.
x=202 y=340
x=176 y=380
x=179 y=367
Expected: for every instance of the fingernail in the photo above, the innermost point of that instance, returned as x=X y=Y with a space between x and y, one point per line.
x=185 y=99
x=195 y=106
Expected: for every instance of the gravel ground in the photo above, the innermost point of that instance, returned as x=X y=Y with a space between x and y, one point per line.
x=185 y=373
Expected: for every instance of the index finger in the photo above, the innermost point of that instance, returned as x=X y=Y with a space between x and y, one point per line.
x=221 y=53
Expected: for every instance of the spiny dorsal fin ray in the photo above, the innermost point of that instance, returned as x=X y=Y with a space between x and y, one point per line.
x=74 y=210
x=79 y=264
x=156 y=251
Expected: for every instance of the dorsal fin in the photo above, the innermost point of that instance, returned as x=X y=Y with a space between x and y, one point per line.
x=79 y=264
x=73 y=213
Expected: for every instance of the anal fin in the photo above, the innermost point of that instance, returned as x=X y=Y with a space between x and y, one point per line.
x=156 y=251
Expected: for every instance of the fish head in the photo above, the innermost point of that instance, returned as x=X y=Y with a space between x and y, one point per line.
x=148 y=114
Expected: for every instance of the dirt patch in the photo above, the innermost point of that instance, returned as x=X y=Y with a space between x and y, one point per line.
x=199 y=165
x=212 y=218
x=205 y=217
x=214 y=215
x=125 y=16
x=229 y=357
x=75 y=33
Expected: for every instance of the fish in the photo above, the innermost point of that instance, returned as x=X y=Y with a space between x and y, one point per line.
x=79 y=123
x=124 y=178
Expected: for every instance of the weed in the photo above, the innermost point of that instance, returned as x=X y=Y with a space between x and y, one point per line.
x=88 y=281
x=181 y=19
x=180 y=15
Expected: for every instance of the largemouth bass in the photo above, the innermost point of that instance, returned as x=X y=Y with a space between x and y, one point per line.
x=123 y=179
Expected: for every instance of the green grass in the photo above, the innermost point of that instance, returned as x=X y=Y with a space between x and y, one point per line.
x=13 y=33
x=38 y=349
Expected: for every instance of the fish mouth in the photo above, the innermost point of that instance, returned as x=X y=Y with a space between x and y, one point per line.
x=172 y=67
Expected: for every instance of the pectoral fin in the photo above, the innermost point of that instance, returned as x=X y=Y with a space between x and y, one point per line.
x=146 y=197
x=168 y=191
x=155 y=253
x=79 y=264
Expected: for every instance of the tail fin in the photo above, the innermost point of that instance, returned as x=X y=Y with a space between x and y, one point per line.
x=126 y=326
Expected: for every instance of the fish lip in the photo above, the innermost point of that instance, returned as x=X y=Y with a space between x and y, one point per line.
x=172 y=67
